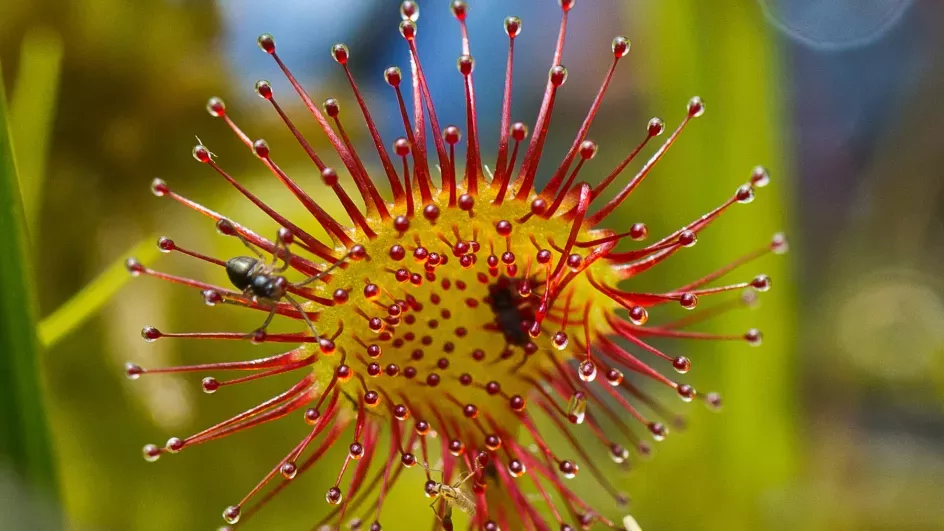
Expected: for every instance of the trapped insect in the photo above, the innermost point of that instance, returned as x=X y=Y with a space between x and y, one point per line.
x=513 y=311
x=453 y=495
x=262 y=280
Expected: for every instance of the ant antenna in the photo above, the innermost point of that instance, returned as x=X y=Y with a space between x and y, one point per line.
x=304 y=315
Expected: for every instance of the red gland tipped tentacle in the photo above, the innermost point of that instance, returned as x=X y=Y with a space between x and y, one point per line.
x=372 y=199
x=594 y=469
x=360 y=472
x=707 y=219
x=749 y=257
x=747 y=299
x=519 y=132
x=417 y=145
x=631 y=269
x=333 y=109
x=161 y=188
x=654 y=128
x=556 y=77
x=385 y=161
x=503 y=172
x=213 y=295
x=583 y=202
x=264 y=90
x=292 y=456
x=628 y=407
x=215 y=384
x=588 y=150
x=679 y=334
x=333 y=434
x=452 y=135
x=330 y=178
x=620 y=48
x=329 y=223
x=402 y=148
x=473 y=158
x=307 y=240
x=151 y=334
x=683 y=237
x=278 y=406
x=167 y=245
x=299 y=264
x=466 y=65
x=136 y=269
x=408 y=29
x=420 y=159
x=695 y=108
x=392 y=457
x=217 y=109
x=279 y=360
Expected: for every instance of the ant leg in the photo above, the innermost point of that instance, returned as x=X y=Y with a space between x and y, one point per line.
x=313 y=278
x=304 y=315
x=266 y=323
x=275 y=256
x=283 y=237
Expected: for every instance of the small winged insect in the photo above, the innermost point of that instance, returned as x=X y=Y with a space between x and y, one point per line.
x=261 y=279
x=453 y=495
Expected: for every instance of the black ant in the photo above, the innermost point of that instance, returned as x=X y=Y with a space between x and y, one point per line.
x=262 y=281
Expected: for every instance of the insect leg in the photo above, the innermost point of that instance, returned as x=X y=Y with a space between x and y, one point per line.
x=268 y=320
x=304 y=315
x=441 y=473
x=275 y=255
x=435 y=512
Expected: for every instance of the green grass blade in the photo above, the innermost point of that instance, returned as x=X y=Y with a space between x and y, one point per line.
x=93 y=296
x=24 y=437
x=32 y=111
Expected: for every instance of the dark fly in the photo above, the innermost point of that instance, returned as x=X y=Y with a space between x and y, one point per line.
x=513 y=314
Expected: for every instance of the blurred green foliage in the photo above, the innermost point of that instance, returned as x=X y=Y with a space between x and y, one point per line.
x=33 y=108
x=89 y=301
x=24 y=437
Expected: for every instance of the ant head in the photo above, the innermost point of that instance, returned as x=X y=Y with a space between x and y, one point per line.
x=275 y=287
